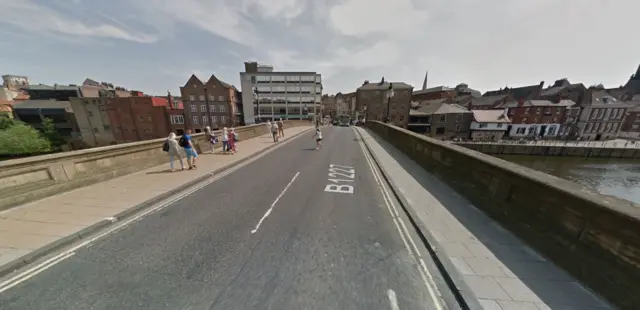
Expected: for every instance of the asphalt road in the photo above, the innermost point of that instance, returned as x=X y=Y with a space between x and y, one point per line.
x=314 y=250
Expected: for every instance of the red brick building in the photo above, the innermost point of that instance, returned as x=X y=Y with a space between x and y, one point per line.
x=138 y=117
x=211 y=103
x=176 y=115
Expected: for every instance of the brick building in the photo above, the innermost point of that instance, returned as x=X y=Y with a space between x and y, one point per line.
x=539 y=118
x=175 y=112
x=631 y=125
x=212 y=103
x=138 y=117
x=374 y=98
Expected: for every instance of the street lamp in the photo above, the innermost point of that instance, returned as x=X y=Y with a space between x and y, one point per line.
x=257 y=99
x=390 y=95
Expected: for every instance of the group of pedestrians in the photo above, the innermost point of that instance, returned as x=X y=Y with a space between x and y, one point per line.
x=173 y=146
x=276 y=129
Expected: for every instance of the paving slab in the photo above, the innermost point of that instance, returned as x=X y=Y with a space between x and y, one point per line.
x=498 y=268
x=34 y=225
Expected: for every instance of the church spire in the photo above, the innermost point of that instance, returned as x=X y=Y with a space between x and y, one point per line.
x=424 y=84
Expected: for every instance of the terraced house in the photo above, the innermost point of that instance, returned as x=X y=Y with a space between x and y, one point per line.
x=212 y=103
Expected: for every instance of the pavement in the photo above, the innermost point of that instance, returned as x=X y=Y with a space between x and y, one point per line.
x=493 y=269
x=282 y=232
x=34 y=228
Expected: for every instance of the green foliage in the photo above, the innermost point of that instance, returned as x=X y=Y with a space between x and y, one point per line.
x=51 y=134
x=6 y=122
x=21 y=139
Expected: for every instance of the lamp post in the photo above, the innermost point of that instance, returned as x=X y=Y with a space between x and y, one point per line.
x=390 y=95
x=257 y=99
x=206 y=102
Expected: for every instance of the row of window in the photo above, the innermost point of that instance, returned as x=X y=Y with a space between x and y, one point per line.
x=211 y=98
x=605 y=114
x=288 y=78
x=179 y=119
x=547 y=110
x=212 y=107
x=289 y=89
x=601 y=127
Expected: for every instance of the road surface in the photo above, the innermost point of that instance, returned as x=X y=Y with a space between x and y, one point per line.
x=267 y=236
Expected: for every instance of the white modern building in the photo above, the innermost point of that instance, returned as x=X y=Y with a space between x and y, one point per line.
x=279 y=94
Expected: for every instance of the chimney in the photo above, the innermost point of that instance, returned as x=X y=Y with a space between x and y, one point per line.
x=520 y=102
x=170 y=100
x=541 y=84
x=469 y=106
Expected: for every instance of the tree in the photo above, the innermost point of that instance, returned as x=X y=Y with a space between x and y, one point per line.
x=51 y=133
x=22 y=139
x=6 y=122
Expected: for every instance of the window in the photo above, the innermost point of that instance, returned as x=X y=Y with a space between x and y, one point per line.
x=106 y=127
x=140 y=118
x=150 y=118
x=551 y=130
x=458 y=118
x=205 y=119
x=594 y=113
x=499 y=125
x=194 y=108
x=538 y=111
x=212 y=107
x=588 y=127
x=177 y=119
x=482 y=125
x=203 y=108
x=223 y=119
x=214 y=119
x=443 y=118
x=201 y=97
x=90 y=114
x=458 y=127
x=221 y=98
x=521 y=130
x=526 y=111
x=195 y=119
x=524 y=120
x=192 y=98
x=212 y=98
x=222 y=108
x=614 y=127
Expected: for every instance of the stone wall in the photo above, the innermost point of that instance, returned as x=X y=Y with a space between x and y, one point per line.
x=27 y=179
x=570 y=149
x=594 y=237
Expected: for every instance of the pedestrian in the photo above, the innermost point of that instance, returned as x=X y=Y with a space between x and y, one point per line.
x=173 y=149
x=318 y=136
x=269 y=129
x=210 y=137
x=274 y=131
x=189 y=148
x=225 y=139
x=232 y=141
x=281 y=128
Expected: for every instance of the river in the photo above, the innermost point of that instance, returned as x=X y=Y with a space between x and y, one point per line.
x=609 y=176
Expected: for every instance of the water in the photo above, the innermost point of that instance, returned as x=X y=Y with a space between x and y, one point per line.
x=614 y=177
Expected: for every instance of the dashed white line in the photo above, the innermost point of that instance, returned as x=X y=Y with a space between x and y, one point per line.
x=273 y=204
x=27 y=274
x=393 y=299
x=427 y=277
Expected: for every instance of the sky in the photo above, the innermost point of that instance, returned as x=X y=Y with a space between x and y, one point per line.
x=155 y=45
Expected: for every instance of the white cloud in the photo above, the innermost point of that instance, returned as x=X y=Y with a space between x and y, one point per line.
x=35 y=18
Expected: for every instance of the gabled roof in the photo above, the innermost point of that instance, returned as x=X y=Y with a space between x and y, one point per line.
x=439 y=106
x=432 y=90
x=385 y=86
x=490 y=116
x=517 y=92
x=538 y=103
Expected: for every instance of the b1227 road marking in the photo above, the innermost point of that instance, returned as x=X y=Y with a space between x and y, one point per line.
x=339 y=175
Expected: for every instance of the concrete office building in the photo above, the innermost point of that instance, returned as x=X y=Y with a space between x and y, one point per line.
x=286 y=95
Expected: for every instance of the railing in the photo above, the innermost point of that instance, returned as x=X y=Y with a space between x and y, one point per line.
x=594 y=237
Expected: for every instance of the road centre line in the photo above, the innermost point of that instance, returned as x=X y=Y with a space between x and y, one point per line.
x=427 y=277
x=273 y=204
x=52 y=261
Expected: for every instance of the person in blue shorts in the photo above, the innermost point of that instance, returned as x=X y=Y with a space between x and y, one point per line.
x=189 y=149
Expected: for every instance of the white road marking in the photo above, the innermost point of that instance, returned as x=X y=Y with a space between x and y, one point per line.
x=273 y=204
x=160 y=206
x=33 y=271
x=393 y=300
x=427 y=277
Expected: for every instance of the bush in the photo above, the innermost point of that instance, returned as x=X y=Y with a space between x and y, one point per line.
x=21 y=139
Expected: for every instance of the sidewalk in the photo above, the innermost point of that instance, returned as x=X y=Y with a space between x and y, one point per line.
x=481 y=256
x=35 y=228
